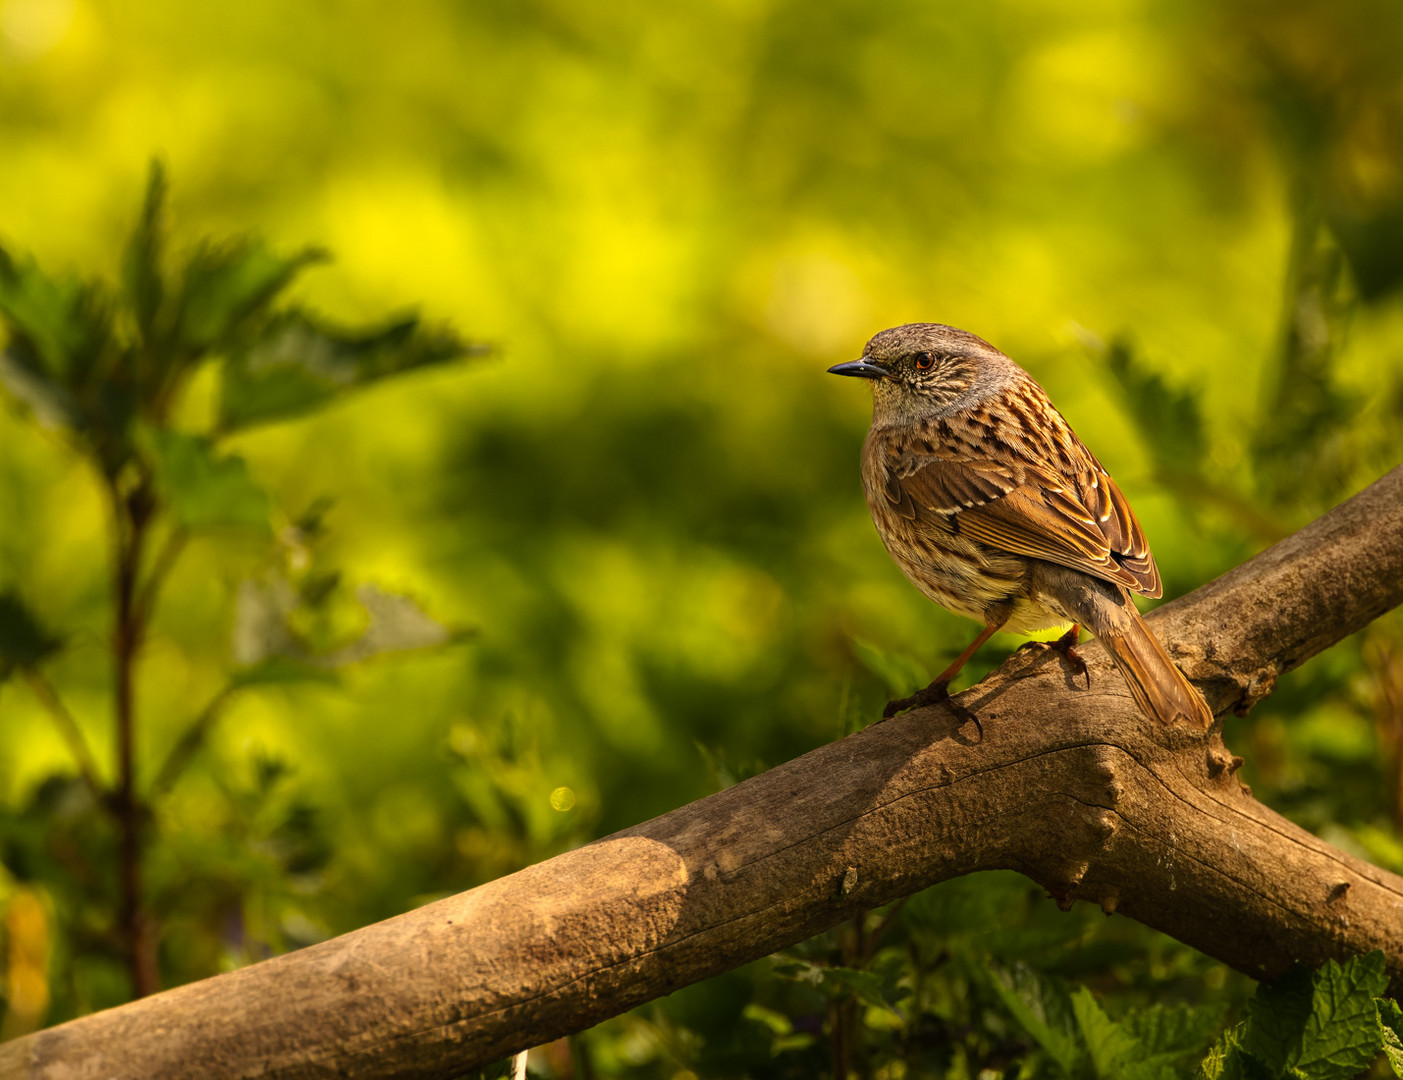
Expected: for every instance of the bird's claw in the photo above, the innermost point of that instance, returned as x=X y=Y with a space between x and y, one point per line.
x=937 y=693
x=1066 y=646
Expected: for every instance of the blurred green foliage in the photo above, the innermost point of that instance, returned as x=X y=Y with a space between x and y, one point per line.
x=1186 y=219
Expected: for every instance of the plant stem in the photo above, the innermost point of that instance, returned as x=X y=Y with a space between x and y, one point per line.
x=132 y=514
x=69 y=729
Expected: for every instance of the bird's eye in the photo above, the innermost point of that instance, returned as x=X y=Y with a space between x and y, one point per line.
x=924 y=360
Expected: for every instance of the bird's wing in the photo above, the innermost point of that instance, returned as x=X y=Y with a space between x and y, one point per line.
x=1081 y=522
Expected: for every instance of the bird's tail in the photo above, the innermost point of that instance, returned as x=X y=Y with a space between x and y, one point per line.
x=1157 y=685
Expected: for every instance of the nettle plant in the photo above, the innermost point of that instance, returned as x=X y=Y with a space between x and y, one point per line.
x=107 y=368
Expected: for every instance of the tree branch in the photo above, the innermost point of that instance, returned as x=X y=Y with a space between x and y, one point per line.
x=1073 y=787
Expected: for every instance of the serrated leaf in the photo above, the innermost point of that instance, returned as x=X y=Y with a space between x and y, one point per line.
x=866 y=986
x=141 y=264
x=1342 y=1035
x=1109 y=1045
x=23 y=640
x=203 y=487
x=61 y=360
x=1227 y=1060
x=1390 y=1020
x=59 y=326
x=1319 y=1025
x=1170 y=1032
x=227 y=286
x=835 y=982
x=1044 y=1009
x=297 y=365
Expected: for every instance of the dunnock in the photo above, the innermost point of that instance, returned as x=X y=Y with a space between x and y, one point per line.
x=994 y=509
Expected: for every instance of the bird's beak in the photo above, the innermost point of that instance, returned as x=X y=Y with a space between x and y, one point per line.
x=861 y=368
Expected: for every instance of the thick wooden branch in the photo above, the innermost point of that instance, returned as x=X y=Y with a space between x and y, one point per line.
x=1071 y=786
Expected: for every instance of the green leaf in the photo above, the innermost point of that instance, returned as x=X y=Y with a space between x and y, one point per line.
x=23 y=641
x=834 y=982
x=59 y=326
x=1320 y=1025
x=203 y=487
x=777 y=1022
x=141 y=265
x=1390 y=1020
x=1110 y=1046
x=61 y=360
x=1227 y=1060
x=297 y=365
x=226 y=287
x=1168 y=1033
x=1044 y=1009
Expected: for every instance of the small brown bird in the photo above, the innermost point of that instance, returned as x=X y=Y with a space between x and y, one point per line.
x=994 y=509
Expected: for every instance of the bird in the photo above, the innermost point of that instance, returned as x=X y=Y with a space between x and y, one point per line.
x=994 y=509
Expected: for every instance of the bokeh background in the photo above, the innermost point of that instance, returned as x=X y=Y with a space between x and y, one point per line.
x=1185 y=218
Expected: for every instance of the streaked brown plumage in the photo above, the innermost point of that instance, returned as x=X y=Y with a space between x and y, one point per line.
x=994 y=509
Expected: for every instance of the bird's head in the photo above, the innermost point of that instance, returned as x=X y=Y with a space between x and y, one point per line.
x=923 y=370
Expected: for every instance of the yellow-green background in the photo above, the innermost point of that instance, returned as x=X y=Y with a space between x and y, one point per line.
x=669 y=219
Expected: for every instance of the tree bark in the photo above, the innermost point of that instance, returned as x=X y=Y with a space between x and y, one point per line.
x=1073 y=787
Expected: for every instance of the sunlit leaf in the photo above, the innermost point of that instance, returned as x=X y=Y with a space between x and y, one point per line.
x=1109 y=1045
x=777 y=1022
x=263 y=628
x=1227 y=1060
x=299 y=364
x=1390 y=1018
x=23 y=640
x=227 y=286
x=397 y=624
x=204 y=487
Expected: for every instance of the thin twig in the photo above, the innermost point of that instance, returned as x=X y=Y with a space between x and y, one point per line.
x=71 y=732
x=189 y=743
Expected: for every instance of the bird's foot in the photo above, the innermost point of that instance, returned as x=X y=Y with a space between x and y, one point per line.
x=936 y=693
x=1066 y=646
